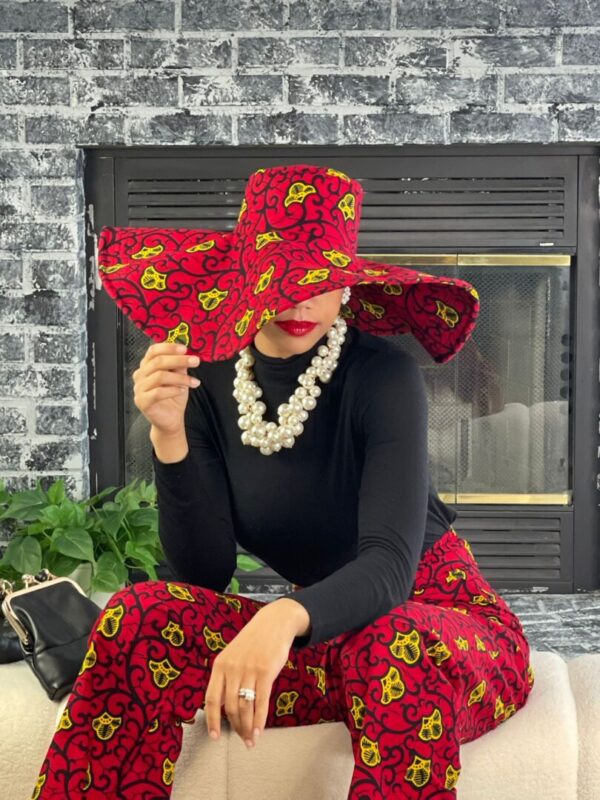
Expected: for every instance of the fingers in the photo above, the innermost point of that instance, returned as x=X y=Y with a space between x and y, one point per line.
x=243 y=715
x=213 y=700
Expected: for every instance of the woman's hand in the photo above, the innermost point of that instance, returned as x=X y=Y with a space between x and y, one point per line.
x=252 y=659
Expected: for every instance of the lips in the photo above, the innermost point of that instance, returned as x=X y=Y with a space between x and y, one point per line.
x=297 y=328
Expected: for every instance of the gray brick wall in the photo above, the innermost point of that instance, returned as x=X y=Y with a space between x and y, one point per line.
x=158 y=72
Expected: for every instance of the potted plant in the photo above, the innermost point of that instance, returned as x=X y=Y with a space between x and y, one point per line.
x=99 y=545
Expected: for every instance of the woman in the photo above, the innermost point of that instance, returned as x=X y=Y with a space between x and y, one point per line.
x=391 y=629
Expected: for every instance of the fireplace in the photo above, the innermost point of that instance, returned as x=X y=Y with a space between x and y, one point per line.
x=512 y=418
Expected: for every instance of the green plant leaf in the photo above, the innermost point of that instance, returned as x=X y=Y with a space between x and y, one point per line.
x=75 y=542
x=24 y=554
x=141 y=554
x=56 y=492
x=247 y=563
x=25 y=505
x=59 y=564
x=110 y=574
x=143 y=518
x=234 y=586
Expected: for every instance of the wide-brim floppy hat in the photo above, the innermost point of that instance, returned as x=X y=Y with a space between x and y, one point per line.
x=295 y=237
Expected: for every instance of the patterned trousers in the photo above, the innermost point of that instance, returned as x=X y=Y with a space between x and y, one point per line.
x=442 y=668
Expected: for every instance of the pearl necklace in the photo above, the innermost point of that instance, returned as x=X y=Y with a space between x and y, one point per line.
x=270 y=437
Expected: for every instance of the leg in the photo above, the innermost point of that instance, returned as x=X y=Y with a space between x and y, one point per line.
x=145 y=673
x=443 y=668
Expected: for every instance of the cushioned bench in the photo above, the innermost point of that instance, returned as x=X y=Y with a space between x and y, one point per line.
x=550 y=749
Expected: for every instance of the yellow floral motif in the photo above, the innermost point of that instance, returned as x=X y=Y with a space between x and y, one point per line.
x=406 y=647
x=114 y=268
x=499 y=710
x=358 y=711
x=266 y=315
x=298 y=192
x=168 y=771
x=493 y=653
x=477 y=694
x=337 y=258
x=242 y=325
x=452 y=776
x=377 y=311
x=482 y=600
x=211 y=299
x=530 y=675
x=163 y=672
x=243 y=209
x=440 y=652
x=369 y=752
x=38 y=787
x=201 y=247
x=105 y=726
x=473 y=291
x=461 y=610
x=314 y=276
x=88 y=783
x=285 y=702
x=153 y=279
x=321 y=679
x=455 y=574
x=431 y=726
x=180 y=592
x=480 y=645
x=179 y=334
x=265 y=238
x=214 y=639
x=392 y=686
x=509 y=710
x=462 y=644
x=496 y=620
x=339 y=174
x=375 y=272
x=259 y=170
x=419 y=772
x=173 y=633
x=234 y=602
x=467 y=545
x=110 y=623
x=153 y=725
x=264 y=280
x=289 y=665
x=418 y=591
x=148 y=252
x=90 y=658
x=347 y=206
x=448 y=314
x=346 y=312
x=392 y=289
x=65 y=720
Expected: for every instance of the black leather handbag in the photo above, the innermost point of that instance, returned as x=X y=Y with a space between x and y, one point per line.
x=53 y=618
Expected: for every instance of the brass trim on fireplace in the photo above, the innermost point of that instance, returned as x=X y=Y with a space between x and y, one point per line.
x=550 y=499
x=472 y=259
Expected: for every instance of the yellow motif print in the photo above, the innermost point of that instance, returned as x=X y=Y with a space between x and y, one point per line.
x=392 y=289
x=448 y=314
x=298 y=192
x=211 y=299
x=459 y=609
x=337 y=258
x=480 y=644
x=168 y=771
x=462 y=644
x=347 y=206
x=242 y=325
x=163 y=672
x=496 y=620
x=339 y=174
x=431 y=726
x=179 y=334
x=65 y=720
x=88 y=774
x=477 y=694
x=482 y=600
x=493 y=653
x=148 y=252
x=455 y=574
x=369 y=752
x=214 y=639
x=266 y=315
x=358 y=711
x=180 y=592
x=377 y=311
x=153 y=279
x=346 y=312
x=320 y=673
x=314 y=276
x=264 y=280
x=452 y=776
x=406 y=647
x=153 y=725
x=392 y=686
x=265 y=238
x=173 y=633
x=440 y=652
x=530 y=675
x=114 y=268
x=285 y=702
x=90 y=658
x=243 y=209
x=473 y=291
x=201 y=247
x=105 y=726
x=110 y=623
x=375 y=272
x=502 y=710
x=234 y=602
x=419 y=772
x=38 y=787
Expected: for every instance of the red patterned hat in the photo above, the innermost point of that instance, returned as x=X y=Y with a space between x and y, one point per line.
x=295 y=237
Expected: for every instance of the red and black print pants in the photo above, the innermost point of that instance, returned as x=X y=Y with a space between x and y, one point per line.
x=442 y=668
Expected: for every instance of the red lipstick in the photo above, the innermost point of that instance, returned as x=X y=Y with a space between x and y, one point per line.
x=295 y=328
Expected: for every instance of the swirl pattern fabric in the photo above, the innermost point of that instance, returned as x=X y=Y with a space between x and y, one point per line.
x=441 y=669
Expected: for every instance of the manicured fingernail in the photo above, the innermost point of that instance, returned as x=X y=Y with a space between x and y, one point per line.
x=181 y=348
x=257 y=732
x=213 y=734
x=249 y=743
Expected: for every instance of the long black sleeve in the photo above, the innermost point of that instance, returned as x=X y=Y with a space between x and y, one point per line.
x=392 y=509
x=194 y=515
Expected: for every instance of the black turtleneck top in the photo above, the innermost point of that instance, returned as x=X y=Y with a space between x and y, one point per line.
x=346 y=513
